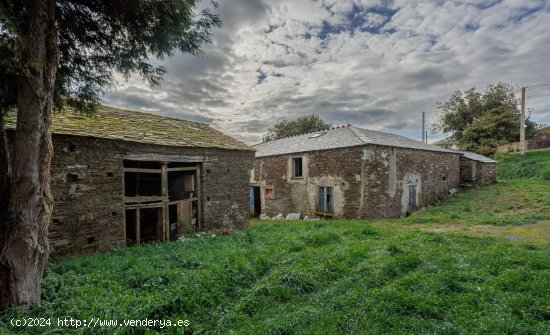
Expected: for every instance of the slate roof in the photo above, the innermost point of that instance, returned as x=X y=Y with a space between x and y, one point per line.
x=120 y=124
x=346 y=136
x=477 y=157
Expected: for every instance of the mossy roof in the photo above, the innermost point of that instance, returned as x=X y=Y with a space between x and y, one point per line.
x=132 y=126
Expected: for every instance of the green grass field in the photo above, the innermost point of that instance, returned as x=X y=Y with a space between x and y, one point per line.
x=535 y=165
x=476 y=264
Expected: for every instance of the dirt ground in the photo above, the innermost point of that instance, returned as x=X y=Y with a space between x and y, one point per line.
x=538 y=232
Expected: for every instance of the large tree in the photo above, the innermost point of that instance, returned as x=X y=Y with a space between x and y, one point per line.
x=58 y=53
x=300 y=125
x=481 y=120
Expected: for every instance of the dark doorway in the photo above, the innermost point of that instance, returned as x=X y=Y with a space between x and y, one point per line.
x=255 y=201
x=131 y=235
x=466 y=173
x=150 y=225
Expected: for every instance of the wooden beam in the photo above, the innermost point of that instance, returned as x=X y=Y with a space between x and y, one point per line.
x=175 y=202
x=198 y=188
x=159 y=231
x=136 y=206
x=166 y=158
x=165 y=223
x=176 y=169
x=140 y=170
x=144 y=198
x=138 y=226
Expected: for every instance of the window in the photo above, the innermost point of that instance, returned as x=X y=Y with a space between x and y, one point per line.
x=269 y=192
x=325 y=199
x=317 y=135
x=297 y=167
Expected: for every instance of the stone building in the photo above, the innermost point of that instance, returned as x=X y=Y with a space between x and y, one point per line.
x=477 y=169
x=350 y=172
x=121 y=177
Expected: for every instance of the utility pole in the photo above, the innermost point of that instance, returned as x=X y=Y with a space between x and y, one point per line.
x=424 y=140
x=522 y=123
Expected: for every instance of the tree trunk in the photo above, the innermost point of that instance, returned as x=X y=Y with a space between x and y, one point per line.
x=25 y=246
x=5 y=175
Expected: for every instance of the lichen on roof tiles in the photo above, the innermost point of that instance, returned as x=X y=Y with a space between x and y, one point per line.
x=119 y=124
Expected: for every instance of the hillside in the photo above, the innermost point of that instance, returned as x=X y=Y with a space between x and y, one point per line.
x=475 y=264
x=534 y=165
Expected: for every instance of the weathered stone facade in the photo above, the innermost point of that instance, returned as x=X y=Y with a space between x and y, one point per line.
x=123 y=177
x=476 y=172
x=367 y=181
x=88 y=189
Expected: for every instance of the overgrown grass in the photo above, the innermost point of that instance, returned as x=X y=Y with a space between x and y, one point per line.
x=534 y=165
x=509 y=202
x=321 y=277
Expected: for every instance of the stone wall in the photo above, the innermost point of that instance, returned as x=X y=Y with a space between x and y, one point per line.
x=338 y=168
x=475 y=172
x=368 y=181
x=393 y=173
x=487 y=173
x=88 y=189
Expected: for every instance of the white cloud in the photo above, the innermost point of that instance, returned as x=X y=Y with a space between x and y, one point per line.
x=350 y=61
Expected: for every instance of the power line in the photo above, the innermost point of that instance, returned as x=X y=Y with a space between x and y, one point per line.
x=543 y=84
x=539 y=86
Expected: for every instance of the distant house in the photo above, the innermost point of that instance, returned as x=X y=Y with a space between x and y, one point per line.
x=540 y=141
x=350 y=172
x=122 y=177
x=477 y=169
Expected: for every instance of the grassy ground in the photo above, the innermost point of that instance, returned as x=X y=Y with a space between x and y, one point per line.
x=479 y=263
x=535 y=165
x=336 y=277
x=509 y=202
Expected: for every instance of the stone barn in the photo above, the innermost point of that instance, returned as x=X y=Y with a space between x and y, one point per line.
x=476 y=169
x=349 y=172
x=121 y=177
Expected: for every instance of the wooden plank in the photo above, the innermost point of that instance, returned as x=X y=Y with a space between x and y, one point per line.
x=140 y=170
x=138 y=226
x=166 y=158
x=198 y=187
x=159 y=224
x=176 y=169
x=178 y=216
x=185 y=211
x=143 y=198
x=179 y=201
x=136 y=206
x=123 y=191
x=165 y=223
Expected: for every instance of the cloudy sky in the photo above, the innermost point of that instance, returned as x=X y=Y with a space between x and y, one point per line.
x=373 y=64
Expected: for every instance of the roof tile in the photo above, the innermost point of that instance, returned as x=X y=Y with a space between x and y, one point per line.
x=342 y=137
x=119 y=124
